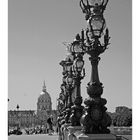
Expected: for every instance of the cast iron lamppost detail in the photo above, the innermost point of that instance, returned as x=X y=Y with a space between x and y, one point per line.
x=65 y=101
x=77 y=109
x=67 y=86
x=63 y=96
x=61 y=100
x=95 y=120
x=70 y=87
x=69 y=80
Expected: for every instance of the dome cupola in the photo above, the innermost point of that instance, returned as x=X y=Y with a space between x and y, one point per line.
x=44 y=100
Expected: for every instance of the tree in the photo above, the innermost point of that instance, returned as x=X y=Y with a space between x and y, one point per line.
x=122 y=116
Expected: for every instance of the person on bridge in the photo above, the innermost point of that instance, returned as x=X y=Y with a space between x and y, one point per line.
x=50 y=125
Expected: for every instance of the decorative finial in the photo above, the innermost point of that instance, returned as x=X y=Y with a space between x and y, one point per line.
x=44 y=87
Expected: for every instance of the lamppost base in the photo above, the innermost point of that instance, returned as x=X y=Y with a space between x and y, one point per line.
x=67 y=116
x=95 y=119
x=77 y=112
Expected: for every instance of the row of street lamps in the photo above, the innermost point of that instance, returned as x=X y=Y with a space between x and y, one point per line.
x=93 y=117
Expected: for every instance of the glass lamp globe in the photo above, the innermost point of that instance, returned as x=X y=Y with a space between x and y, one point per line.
x=68 y=67
x=97 y=24
x=70 y=80
x=77 y=48
x=97 y=2
x=69 y=57
x=76 y=45
x=79 y=64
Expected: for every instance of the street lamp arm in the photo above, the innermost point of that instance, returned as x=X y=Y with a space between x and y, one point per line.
x=106 y=37
x=106 y=4
x=85 y=9
x=93 y=43
x=83 y=6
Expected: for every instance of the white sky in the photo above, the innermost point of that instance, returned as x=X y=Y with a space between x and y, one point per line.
x=36 y=31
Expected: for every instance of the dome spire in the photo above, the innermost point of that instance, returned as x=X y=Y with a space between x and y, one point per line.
x=44 y=87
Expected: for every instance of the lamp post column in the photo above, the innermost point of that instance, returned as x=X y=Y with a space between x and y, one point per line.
x=65 y=64
x=95 y=120
x=77 y=109
x=70 y=88
x=94 y=69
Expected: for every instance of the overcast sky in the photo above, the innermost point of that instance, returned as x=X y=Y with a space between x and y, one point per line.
x=36 y=31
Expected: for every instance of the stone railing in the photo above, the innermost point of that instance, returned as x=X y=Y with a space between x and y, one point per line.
x=68 y=132
x=75 y=133
x=63 y=132
x=122 y=130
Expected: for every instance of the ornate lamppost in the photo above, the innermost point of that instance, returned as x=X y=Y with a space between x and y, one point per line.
x=67 y=67
x=62 y=104
x=66 y=88
x=63 y=85
x=61 y=100
x=70 y=87
x=69 y=81
x=95 y=120
x=66 y=64
x=77 y=109
x=18 y=116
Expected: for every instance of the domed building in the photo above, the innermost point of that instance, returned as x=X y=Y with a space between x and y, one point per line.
x=44 y=105
x=29 y=118
x=44 y=101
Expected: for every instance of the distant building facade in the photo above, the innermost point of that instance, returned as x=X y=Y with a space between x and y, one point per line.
x=30 y=118
x=24 y=118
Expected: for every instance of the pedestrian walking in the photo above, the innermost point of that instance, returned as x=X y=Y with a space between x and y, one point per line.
x=50 y=125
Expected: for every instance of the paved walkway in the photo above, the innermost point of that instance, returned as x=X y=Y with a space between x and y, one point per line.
x=44 y=137
x=33 y=137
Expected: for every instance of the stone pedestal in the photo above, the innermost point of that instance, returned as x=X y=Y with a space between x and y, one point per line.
x=96 y=137
x=72 y=130
x=65 y=131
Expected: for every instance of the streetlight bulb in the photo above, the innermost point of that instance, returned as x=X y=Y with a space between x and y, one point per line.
x=97 y=25
x=95 y=2
x=79 y=65
x=70 y=80
x=77 y=48
x=68 y=67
